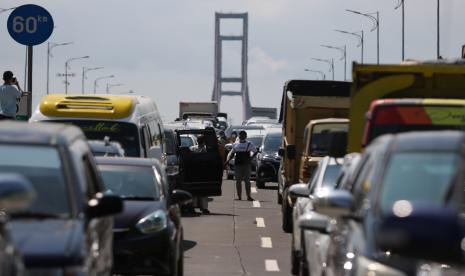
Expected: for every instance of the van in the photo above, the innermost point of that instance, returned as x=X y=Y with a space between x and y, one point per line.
x=441 y=79
x=401 y=115
x=303 y=101
x=132 y=121
x=316 y=143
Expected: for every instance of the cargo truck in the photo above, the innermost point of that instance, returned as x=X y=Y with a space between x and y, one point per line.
x=303 y=101
x=198 y=109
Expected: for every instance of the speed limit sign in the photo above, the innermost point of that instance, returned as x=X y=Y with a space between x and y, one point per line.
x=30 y=24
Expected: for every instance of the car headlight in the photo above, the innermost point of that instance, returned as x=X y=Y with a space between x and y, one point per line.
x=152 y=223
x=172 y=169
x=367 y=266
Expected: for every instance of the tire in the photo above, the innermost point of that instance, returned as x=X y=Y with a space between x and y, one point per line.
x=295 y=259
x=286 y=211
x=260 y=184
x=180 y=271
x=303 y=266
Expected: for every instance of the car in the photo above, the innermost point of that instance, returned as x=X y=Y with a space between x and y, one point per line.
x=148 y=234
x=304 y=252
x=188 y=140
x=106 y=148
x=16 y=193
x=256 y=140
x=68 y=227
x=268 y=158
x=394 y=173
x=170 y=155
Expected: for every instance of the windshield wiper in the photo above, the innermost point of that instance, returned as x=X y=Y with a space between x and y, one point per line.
x=138 y=197
x=34 y=214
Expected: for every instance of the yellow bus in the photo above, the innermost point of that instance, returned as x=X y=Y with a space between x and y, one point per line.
x=132 y=121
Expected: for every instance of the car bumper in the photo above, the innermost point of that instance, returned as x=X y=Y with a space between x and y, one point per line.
x=134 y=252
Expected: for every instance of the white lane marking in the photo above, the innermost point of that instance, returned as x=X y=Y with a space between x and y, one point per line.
x=260 y=222
x=254 y=190
x=256 y=204
x=271 y=265
x=266 y=242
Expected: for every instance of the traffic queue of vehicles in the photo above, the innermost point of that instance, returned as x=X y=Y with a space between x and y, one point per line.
x=394 y=208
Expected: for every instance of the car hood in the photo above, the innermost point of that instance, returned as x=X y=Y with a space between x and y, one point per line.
x=49 y=242
x=134 y=210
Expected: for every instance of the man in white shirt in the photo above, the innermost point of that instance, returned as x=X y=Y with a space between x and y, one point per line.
x=10 y=92
x=242 y=150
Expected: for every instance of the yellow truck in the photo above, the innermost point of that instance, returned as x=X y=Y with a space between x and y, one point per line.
x=432 y=96
x=303 y=101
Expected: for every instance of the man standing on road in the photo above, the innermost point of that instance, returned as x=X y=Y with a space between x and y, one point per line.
x=242 y=162
x=10 y=92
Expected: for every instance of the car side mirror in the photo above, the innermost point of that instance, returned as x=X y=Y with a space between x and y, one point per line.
x=337 y=144
x=299 y=190
x=104 y=205
x=155 y=152
x=433 y=234
x=314 y=222
x=333 y=203
x=290 y=151
x=181 y=197
x=281 y=152
x=16 y=192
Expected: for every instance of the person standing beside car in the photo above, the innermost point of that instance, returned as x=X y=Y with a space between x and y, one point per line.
x=10 y=92
x=242 y=152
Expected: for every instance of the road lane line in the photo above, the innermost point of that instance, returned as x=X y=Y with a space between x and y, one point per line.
x=271 y=265
x=256 y=204
x=266 y=242
x=254 y=190
x=260 y=222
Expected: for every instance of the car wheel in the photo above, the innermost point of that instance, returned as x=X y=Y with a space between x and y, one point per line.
x=295 y=260
x=180 y=271
x=286 y=211
x=303 y=266
x=260 y=184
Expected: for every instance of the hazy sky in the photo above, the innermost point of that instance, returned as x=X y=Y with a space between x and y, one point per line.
x=164 y=48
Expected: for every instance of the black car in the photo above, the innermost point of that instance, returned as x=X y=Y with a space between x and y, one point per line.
x=16 y=193
x=148 y=235
x=395 y=173
x=268 y=158
x=67 y=228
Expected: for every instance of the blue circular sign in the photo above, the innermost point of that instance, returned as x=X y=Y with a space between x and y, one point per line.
x=30 y=25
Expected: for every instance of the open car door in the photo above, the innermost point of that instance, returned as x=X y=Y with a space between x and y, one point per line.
x=201 y=172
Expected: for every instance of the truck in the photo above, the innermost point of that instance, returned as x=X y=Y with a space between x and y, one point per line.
x=198 y=109
x=302 y=102
x=432 y=81
x=269 y=112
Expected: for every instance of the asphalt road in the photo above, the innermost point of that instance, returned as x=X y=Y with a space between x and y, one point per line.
x=238 y=237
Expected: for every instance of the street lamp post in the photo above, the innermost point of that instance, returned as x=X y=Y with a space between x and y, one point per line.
x=375 y=21
x=329 y=61
x=101 y=78
x=401 y=4
x=109 y=85
x=50 y=46
x=359 y=36
x=84 y=77
x=323 y=75
x=66 y=70
x=344 y=56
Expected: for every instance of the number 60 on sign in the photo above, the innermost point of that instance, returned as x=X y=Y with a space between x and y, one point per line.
x=30 y=25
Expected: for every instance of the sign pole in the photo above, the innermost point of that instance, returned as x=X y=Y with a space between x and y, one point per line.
x=29 y=80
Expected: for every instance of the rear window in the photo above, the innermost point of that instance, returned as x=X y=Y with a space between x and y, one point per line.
x=319 y=141
x=43 y=167
x=130 y=182
x=398 y=119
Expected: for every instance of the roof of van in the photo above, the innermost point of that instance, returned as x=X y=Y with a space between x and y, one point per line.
x=39 y=133
x=103 y=106
x=447 y=140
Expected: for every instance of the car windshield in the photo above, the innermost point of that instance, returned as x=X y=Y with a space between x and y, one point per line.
x=330 y=177
x=130 y=182
x=319 y=143
x=418 y=178
x=272 y=143
x=124 y=133
x=186 y=141
x=43 y=167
